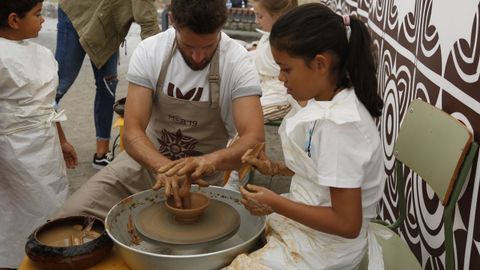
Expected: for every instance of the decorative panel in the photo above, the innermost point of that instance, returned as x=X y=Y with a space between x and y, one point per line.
x=427 y=49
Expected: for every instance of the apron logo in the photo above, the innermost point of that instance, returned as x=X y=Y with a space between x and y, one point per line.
x=176 y=145
x=179 y=120
x=175 y=92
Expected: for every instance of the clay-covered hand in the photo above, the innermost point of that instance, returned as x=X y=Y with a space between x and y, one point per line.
x=257 y=199
x=184 y=194
x=264 y=165
x=197 y=167
x=69 y=155
x=173 y=186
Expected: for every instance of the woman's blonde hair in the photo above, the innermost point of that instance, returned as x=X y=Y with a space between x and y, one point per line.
x=277 y=7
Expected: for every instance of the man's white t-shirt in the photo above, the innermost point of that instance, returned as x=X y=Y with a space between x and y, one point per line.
x=238 y=77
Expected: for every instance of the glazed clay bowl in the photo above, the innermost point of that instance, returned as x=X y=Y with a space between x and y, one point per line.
x=65 y=244
x=199 y=202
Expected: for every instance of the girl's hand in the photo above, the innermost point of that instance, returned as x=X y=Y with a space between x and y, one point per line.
x=261 y=162
x=257 y=199
x=69 y=155
x=264 y=165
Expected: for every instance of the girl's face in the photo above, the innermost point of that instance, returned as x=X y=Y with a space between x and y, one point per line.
x=302 y=81
x=31 y=23
x=262 y=17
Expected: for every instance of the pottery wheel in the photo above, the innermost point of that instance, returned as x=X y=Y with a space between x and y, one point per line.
x=156 y=223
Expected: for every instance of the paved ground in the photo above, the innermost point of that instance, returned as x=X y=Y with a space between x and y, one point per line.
x=78 y=105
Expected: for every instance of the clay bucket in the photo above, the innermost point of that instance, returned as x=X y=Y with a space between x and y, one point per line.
x=47 y=246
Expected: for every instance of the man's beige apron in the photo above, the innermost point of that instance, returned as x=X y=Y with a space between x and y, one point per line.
x=181 y=128
x=178 y=128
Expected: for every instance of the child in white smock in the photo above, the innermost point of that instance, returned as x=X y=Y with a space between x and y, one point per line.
x=33 y=180
x=274 y=94
x=332 y=148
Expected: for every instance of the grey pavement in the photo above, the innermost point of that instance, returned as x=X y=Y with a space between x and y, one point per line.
x=78 y=105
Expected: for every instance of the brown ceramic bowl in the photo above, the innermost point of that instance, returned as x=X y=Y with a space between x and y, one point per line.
x=57 y=244
x=199 y=202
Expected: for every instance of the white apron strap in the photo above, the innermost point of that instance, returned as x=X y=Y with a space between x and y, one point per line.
x=45 y=122
x=57 y=117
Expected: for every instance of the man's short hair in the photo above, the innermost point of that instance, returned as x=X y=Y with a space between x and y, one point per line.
x=200 y=16
x=20 y=7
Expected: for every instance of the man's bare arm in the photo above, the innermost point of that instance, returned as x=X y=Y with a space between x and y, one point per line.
x=138 y=109
x=248 y=117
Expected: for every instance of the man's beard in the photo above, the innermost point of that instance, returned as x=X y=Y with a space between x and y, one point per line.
x=193 y=65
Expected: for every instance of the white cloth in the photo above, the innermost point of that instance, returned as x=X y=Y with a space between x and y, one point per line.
x=273 y=90
x=33 y=181
x=291 y=245
x=238 y=77
x=345 y=147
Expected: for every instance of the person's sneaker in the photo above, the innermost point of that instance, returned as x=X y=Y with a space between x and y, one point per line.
x=100 y=162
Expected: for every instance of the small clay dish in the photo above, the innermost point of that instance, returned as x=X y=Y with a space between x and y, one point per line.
x=69 y=243
x=199 y=203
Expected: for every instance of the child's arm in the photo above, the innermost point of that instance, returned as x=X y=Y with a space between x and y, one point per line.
x=69 y=154
x=343 y=218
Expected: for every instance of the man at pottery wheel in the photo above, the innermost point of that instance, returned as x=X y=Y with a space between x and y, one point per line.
x=191 y=88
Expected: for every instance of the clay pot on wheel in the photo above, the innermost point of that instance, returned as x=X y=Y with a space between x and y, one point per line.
x=199 y=203
x=69 y=243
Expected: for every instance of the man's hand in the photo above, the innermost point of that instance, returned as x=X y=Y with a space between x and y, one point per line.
x=173 y=184
x=257 y=199
x=69 y=155
x=196 y=167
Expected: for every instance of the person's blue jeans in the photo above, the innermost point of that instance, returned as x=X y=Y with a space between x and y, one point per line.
x=70 y=55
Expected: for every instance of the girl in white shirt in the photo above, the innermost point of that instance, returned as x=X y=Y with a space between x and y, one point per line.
x=331 y=146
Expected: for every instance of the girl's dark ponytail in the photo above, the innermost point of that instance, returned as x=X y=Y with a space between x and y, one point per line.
x=361 y=67
x=322 y=30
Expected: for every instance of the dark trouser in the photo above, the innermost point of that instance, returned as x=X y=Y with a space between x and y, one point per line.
x=69 y=55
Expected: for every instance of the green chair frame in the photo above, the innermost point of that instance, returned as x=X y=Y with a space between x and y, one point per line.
x=441 y=150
